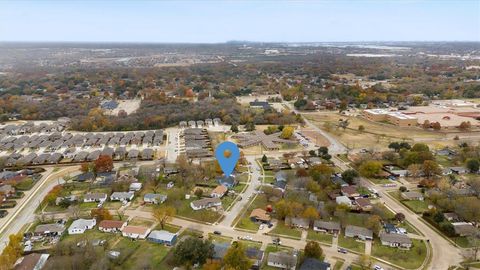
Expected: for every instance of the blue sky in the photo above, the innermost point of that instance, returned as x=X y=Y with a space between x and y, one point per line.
x=220 y=21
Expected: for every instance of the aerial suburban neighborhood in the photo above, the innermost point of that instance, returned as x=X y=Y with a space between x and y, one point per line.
x=238 y=155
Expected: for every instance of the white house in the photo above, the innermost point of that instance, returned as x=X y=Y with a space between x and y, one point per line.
x=343 y=200
x=205 y=203
x=282 y=260
x=122 y=196
x=154 y=198
x=95 y=197
x=135 y=186
x=80 y=225
x=135 y=232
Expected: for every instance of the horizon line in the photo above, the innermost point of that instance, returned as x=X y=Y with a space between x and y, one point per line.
x=236 y=41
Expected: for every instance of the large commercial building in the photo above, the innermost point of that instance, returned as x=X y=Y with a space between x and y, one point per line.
x=394 y=117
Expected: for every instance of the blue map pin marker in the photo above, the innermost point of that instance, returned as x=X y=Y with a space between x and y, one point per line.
x=227 y=163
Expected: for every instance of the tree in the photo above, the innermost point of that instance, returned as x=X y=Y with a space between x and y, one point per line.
x=283 y=209
x=465 y=125
x=100 y=214
x=11 y=252
x=234 y=128
x=313 y=250
x=361 y=128
x=426 y=124
x=420 y=147
x=287 y=132
x=86 y=167
x=403 y=189
x=310 y=213
x=373 y=223
x=264 y=159
x=473 y=165
x=436 y=126
x=370 y=168
x=192 y=251
x=430 y=168
x=212 y=265
x=163 y=214
x=365 y=262
x=198 y=192
x=323 y=150
x=236 y=258
x=103 y=163
x=349 y=176
x=250 y=126
x=400 y=217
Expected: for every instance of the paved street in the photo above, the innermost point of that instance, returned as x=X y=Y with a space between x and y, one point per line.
x=24 y=212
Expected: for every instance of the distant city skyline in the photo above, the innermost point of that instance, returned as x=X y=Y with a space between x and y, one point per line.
x=221 y=21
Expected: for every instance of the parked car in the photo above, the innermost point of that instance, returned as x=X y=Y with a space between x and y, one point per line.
x=376 y=267
x=217 y=232
x=342 y=250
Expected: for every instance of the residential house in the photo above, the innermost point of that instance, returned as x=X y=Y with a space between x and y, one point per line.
x=302 y=223
x=32 y=261
x=135 y=186
x=228 y=181
x=451 y=217
x=163 y=237
x=205 y=203
x=80 y=225
x=135 y=232
x=256 y=255
x=364 y=204
x=282 y=260
x=219 y=191
x=343 y=200
x=95 y=197
x=52 y=229
x=464 y=228
x=358 y=232
x=88 y=176
x=111 y=226
x=122 y=196
x=260 y=215
x=314 y=264
x=280 y=181
x=350 y=191
x=327 y=226
x=219 y=250
x=154 y=198
x=395 y=240
x=7 y=190
x=412 y=196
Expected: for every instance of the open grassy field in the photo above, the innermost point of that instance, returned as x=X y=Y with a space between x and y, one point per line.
x=245 y=222
x=351 y=244
x=410 y=259
x=320 y=237
x=417 y=206
x=375 y=135
x=282 y=229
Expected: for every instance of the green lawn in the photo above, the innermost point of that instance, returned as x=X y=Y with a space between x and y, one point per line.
x=351 y=243
x=147 y=255
x=227 y=201
x=338 y=265
x=184 y=210
x=87 y=205
x=249 y=244
x=417 y=206
x=26 y=184
x=219 y=238
x=169 y=227
x=320 y=237
x=282 y=229
x=410 y=259
x=244 y=221
x=239 y=188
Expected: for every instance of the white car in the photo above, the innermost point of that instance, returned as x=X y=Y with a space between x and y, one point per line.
x=376 y=267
